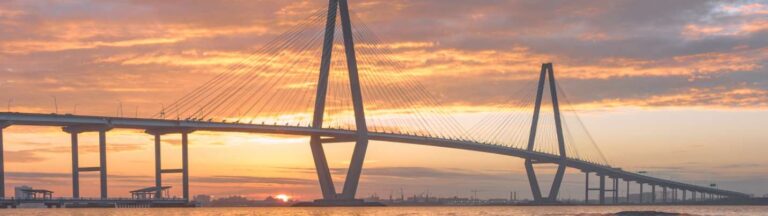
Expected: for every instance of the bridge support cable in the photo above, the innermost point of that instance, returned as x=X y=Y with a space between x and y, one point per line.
x=236 y=86
x=590 y=152
x=389 y=75
x=213 y=87
x=232 y=71
x=388 y=86
x=506 y=127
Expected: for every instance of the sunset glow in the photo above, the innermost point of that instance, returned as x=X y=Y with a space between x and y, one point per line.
x=680 y=84
x=283 y=197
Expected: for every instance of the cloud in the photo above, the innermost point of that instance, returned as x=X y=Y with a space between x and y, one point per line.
x=24 y=156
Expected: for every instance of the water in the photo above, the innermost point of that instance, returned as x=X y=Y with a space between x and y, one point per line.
x=409 y=211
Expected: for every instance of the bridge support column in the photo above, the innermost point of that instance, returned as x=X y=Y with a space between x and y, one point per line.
x=674 y=195
x=628 y=191
x=586 y=187
x=685 y=195
x=534 y=183
x=103 y=162
x=546 y=70
x=347 y=197
x=602 y=189
x=318 y=153
x=641 y=192
x=75 y=166
x=2 y=160
x=653 y=193
x=158 y=168
x=157 y=133
x=616 y=190
x=693 y=196
x=664 y=191
x=185 y=165
x=74 y=131
x=361 y=145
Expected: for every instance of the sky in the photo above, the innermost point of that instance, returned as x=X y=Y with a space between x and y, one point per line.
x=675 y=88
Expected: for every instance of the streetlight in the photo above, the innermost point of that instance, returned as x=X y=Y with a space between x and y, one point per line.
x=119 y=108
x=162 y=112
x=10 y=100
x=55 y=104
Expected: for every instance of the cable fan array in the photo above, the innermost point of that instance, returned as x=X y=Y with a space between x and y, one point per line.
x=276 y=85
x=510 y=124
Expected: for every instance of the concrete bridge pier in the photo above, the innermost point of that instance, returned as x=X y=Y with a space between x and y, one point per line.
x=159 y=171
x=158 y=167
x=74 y=131
x=347 y=197
x=3 y=125
x=586 y=187
x=664 y=196
x=628 y=182
x=103 y=162
x=674 y=195
x=75 y=166
x=602 y=189
x=653 y=193
x=185 y=165
x=641 y=192
x=615 y=190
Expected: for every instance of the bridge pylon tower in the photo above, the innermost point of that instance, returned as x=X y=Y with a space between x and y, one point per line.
x=547 y=70
x=347 y=196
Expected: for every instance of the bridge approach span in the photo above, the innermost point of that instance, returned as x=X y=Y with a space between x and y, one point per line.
x=67 y=120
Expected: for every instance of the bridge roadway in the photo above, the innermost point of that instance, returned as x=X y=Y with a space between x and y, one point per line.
x=340 y=134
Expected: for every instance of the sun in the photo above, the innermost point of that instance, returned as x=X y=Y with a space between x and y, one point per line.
x=283 y=197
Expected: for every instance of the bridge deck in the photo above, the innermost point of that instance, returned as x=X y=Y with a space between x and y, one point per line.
x=171 y=125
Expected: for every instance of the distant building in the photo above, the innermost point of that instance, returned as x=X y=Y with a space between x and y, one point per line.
x=498 y=201
x=202 y=200
x=150 y=192
x=19 y=192
x=240 y=201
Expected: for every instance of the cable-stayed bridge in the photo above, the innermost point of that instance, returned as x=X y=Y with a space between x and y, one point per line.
x=366 y=94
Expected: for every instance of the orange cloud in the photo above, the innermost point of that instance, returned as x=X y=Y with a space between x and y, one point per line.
x=719 y=98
